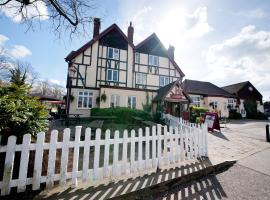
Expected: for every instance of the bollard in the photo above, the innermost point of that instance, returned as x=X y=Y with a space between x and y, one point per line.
x=267 y=133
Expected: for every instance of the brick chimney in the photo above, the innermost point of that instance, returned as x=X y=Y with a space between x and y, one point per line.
x=130 y=32
x=96 y=27
x=171 y=51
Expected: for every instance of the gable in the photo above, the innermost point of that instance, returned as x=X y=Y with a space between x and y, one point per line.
x=153 y=46
x=176 y=93
x=248 y=91
x=114 y=39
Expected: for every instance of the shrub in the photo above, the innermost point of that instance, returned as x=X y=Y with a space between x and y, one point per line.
x=233 y=114
x=20 y=113
x=261 y=116
x=196 y=112
x=122 y=114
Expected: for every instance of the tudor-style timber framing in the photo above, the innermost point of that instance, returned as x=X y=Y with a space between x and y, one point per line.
x=93 y=62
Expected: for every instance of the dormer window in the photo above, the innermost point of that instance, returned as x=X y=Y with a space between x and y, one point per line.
x=153 y=60
x=113 y=53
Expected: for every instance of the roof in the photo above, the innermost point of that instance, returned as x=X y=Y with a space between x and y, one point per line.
x=73 y=54
x=163 y=91
x=44 y=97
x=153 y=35
x=234 y=88
x=204 y=88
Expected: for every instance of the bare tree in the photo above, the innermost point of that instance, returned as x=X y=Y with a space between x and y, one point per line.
x=70 y=16
x=44 y=87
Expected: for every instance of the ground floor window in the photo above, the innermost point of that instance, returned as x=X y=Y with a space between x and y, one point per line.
x=230 y=104
x=115 y=100
x=132 y=102
x=85 y=100
x=195 y=101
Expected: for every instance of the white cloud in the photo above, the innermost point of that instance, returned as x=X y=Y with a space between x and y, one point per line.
x=57 y=82
x=19 y=51
x=3 y=40
x=246 y=56
x=37 y=9
x=256 y=13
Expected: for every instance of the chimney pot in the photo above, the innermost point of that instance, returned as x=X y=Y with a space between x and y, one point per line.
x=96 y=27
x=130 y=32
x=171 y=51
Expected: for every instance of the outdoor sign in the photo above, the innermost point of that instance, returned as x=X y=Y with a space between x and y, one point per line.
x=211 y=119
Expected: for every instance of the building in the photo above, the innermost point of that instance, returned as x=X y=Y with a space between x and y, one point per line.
x=111 y=71
x=245 y=91
x=208 y=95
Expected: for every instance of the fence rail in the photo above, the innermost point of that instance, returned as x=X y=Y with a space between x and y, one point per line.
x=140 y=151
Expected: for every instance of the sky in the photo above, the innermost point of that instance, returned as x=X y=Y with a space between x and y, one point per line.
x=223 y=41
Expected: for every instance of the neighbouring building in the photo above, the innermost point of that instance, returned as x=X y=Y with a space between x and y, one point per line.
x=208 y=95
x=245 y=91
x=111 y=71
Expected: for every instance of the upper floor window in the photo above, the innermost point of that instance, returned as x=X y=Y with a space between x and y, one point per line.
x=112 y=75
x=85 y=100
x=132 y=102
x=137 y=57
x=113 y=53
x=153 y=60
x=195 y=101
x=164 y=80
x=115 y=100
x=141 y=78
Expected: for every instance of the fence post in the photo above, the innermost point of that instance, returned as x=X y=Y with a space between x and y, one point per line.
x=8 y=169
x=140 y=149
x=147 y=162
x=267 y=133
x=159 y=145
x=115 y=171
x=154 y=154
x=51 y=161
x=86 y=151
x=96 y=156
x=78 y=130
x=106 y=154
x=24 y=163
x=125 y=167
x=165 y=150
x=132 y=152
x=38 y=161
x=64 y=156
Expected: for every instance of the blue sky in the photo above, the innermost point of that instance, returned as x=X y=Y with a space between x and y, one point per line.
x=224 y=41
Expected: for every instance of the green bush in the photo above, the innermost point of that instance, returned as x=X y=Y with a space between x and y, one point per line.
x=123 y=115
x=196 y=112
x=20 y=113
x=261 y=116
x=233 y=114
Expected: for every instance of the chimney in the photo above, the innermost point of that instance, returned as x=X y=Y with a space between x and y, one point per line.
x=130 y=32
x=171 y=51
x=96 y=27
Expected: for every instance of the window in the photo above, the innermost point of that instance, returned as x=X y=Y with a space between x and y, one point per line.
x=153 y=60
x=113 y=53
x=141 y=78
x=164 y=80
x=115 y=100
x=195 y=101
x=137 y=58
x=112 y=75
x=132 y=102
x=85 y=100
x=215 y=104
x=152 y=70
x=230 y=104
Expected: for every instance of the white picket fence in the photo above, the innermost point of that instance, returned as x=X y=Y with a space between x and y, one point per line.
x=140 y=152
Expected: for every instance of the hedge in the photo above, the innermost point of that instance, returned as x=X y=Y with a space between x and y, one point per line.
x=123 y=115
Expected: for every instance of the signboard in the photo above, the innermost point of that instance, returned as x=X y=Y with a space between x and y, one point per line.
x=211 y=119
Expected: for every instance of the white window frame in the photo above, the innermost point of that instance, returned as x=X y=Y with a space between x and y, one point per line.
x=88 y=97
x=141 y=78
x=131 y=99
x=215 y=104
x=113 y=72
x=164 y=80
x=137 y=57
x=115 y=53
x=152 y=59
x=115 y=100
x=231 y=103
x=196 y=101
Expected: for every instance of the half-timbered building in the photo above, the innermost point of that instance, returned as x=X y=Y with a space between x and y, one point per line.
x=111 y=71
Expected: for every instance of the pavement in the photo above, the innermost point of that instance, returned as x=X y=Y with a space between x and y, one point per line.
x=240 y=141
